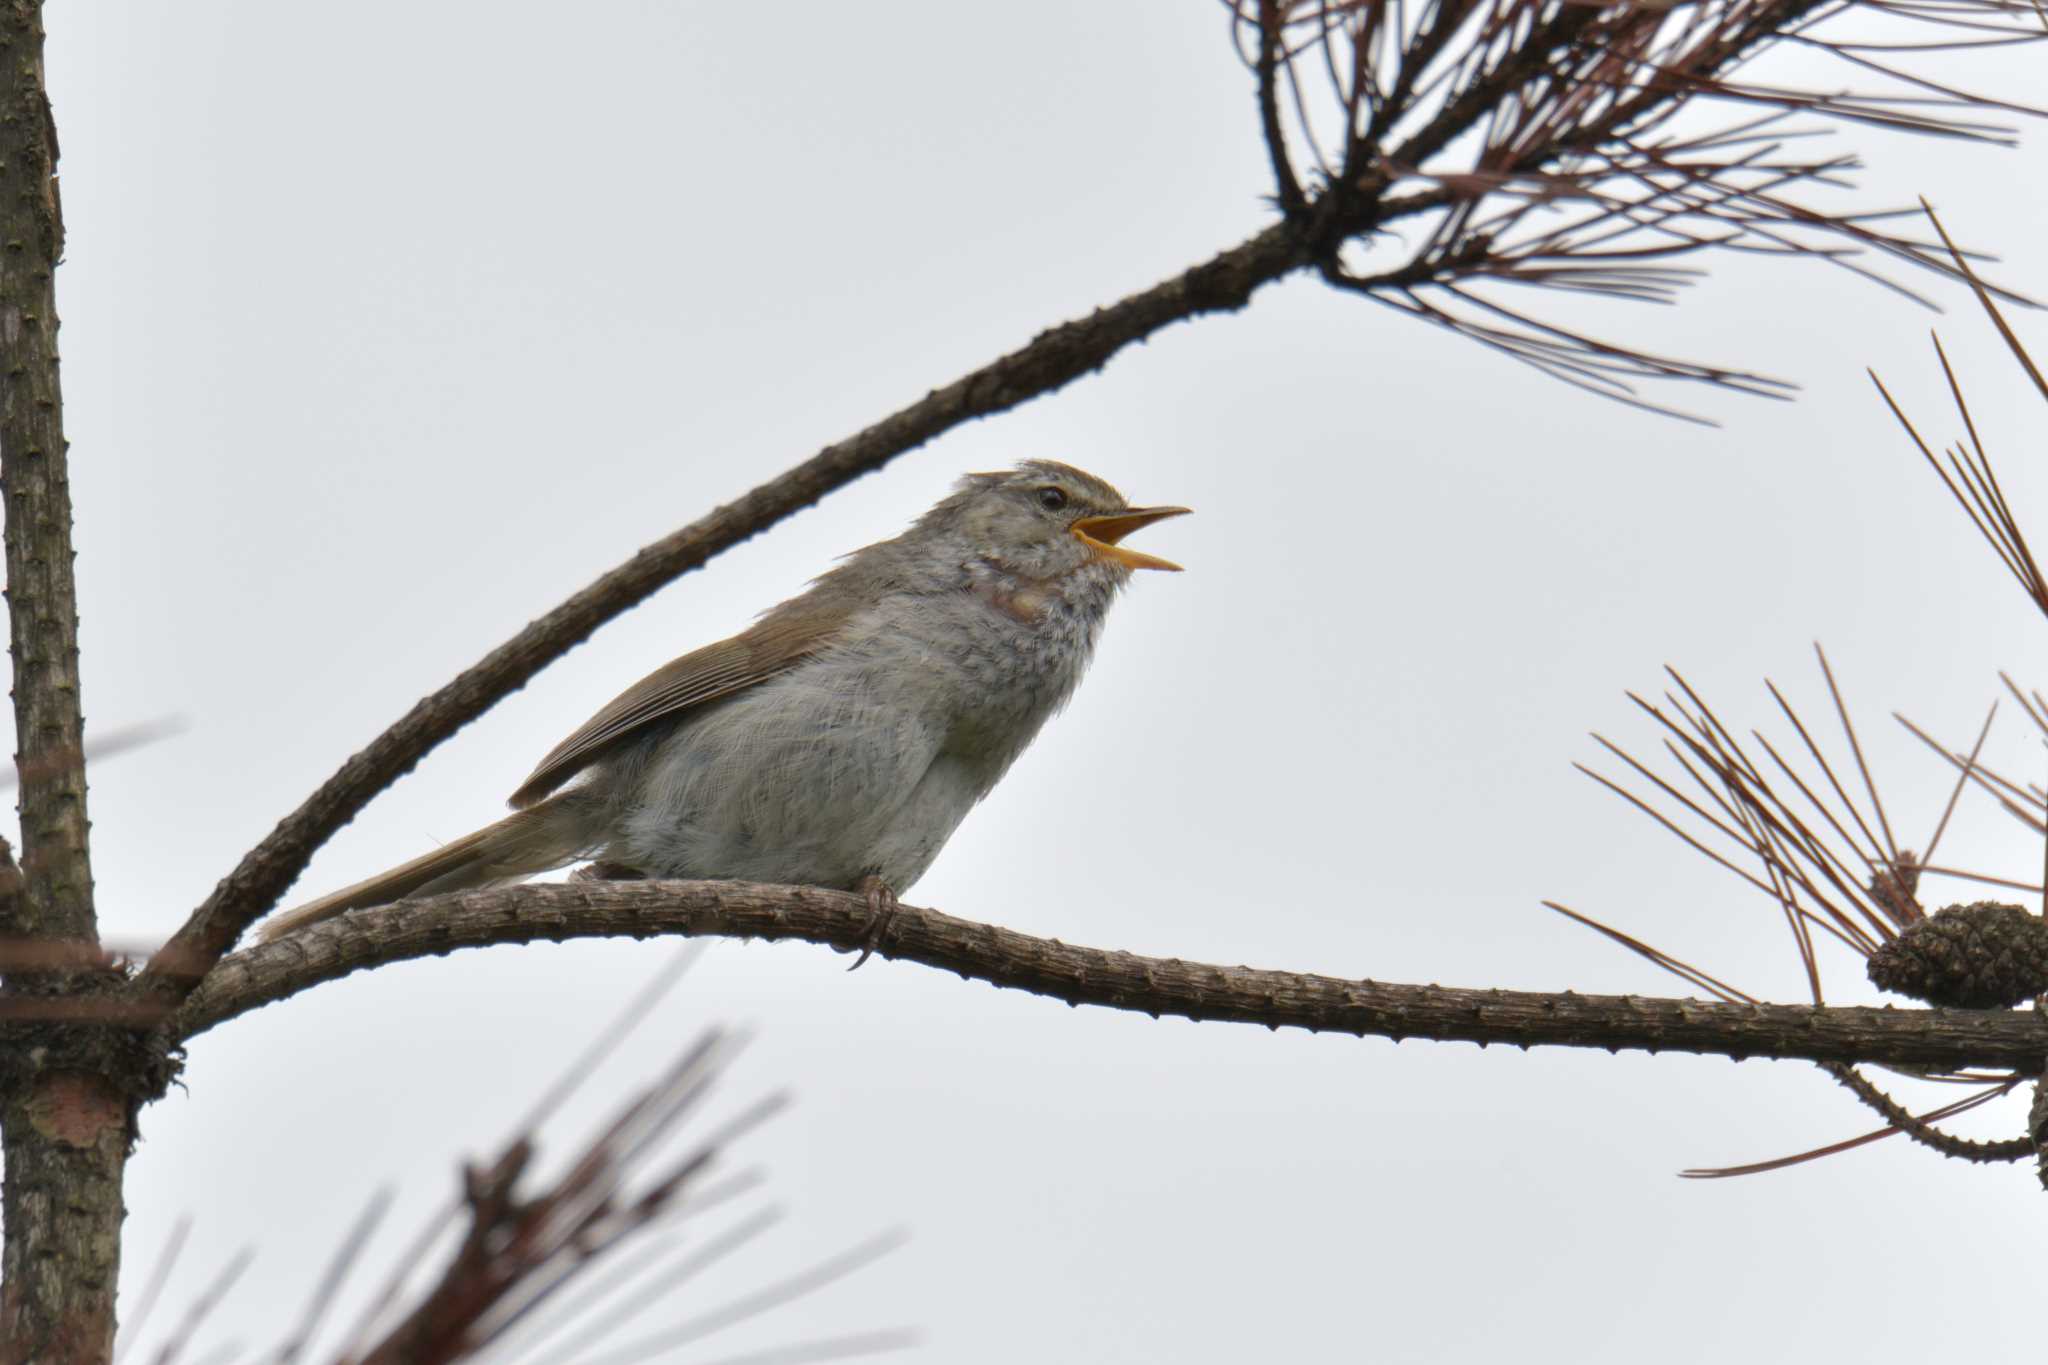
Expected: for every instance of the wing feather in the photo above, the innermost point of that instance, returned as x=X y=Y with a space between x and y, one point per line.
x=770 y=647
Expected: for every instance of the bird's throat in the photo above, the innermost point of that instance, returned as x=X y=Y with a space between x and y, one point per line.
x=1019 y=599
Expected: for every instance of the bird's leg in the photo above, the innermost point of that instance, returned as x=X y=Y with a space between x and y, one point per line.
x=882 y=904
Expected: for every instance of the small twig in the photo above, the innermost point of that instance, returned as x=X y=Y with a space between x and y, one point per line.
x=1293 y=203
x=1926 y=1134
x=1946 y=1111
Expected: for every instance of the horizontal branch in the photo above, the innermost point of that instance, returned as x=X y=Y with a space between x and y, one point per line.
x=1950 y=1040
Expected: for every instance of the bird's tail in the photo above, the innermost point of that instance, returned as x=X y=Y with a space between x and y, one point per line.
x=553 y=834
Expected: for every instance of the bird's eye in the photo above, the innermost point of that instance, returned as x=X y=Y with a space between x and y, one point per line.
x=1051 y=499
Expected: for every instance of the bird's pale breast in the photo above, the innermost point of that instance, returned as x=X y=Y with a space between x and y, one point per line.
x=863 y=760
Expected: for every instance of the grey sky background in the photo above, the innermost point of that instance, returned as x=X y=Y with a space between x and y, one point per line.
x=384 y=329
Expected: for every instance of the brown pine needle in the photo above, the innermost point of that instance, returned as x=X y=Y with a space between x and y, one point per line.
x=1990 y=781
x=329 y=1286
x=2036 y=708
x=752 y=1305
x=1855 y=747
x=1681 y=798
x=1684 y=971
x=1664 y=820
x=1755 y=791
x=830 y=1348
x=1990 y=525
x=621 y=1311
x=1795 y=915
x=202 y=1307
x=1970 y=476
x=166 y=1261
x=1746 y=785
x=1875 y=854
x=1962 y=780
x=373 y=1318
x=1989 y=305
x=1984 y=877
x=1830 y=864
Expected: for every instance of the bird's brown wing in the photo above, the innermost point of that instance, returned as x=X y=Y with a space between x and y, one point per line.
x=771 y=646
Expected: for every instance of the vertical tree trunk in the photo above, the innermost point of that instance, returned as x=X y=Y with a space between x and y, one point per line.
x=66 y=1120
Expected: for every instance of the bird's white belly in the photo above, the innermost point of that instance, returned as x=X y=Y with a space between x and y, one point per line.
x=938 y=803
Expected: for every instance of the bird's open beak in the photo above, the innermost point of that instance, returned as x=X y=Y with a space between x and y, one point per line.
x=1101 y=535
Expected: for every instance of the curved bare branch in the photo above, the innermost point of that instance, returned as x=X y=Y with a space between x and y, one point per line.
x=1925 y=1133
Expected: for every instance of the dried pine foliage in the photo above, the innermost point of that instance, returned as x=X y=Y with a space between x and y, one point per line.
x=1599 y=148
x=1964 y=465
x=1801 y=821
x=1810 y=831
x=595 y=1265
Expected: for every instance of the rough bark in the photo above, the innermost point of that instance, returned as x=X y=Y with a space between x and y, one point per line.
x=42 y=601
x=65 y=1125
x=1947 y=1039
x=67 y=1146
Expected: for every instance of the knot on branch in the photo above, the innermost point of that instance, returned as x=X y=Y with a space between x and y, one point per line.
x=67 y=1007
x=1345 y=208
x=1988 y=955
x=139 y=1063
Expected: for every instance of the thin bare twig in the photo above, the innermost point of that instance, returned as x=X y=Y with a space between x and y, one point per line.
x=1920 y=1127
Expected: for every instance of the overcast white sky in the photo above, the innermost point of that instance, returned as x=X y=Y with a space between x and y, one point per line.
x=385 y=328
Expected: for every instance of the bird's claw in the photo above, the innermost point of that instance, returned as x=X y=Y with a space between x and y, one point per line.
x=882 y=904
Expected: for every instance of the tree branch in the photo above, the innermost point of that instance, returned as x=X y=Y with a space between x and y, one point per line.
x=1948 y=1039
x=65 y=1121
x=42 y=598
x=1054 y=358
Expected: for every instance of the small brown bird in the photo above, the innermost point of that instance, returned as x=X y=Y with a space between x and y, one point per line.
x=840 y=739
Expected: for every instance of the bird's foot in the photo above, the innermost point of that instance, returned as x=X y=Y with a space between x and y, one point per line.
x=881 y=898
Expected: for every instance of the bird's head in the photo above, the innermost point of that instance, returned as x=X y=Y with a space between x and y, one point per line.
x=1045 y=520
